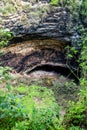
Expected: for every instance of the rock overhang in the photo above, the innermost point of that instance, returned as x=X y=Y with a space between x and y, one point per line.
x=45 y=36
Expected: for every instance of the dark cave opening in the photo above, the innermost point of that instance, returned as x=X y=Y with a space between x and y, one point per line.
x=63 y=71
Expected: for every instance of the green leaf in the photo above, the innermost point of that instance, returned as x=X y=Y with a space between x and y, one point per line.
x=8 y=86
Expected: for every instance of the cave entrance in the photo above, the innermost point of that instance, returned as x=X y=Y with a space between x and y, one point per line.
x=37 y=55
x=58 y=70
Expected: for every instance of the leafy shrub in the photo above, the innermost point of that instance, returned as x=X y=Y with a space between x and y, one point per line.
x=84 y=10
x=75 y=128
x=42 y=119
x=19 y=109
x=10 y=111
x=76 y=116
x=83 y=59
x=5 y=36
x=4 y=73
x=54 y=2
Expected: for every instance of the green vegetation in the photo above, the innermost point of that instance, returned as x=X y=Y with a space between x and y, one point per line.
x=8 y=9
x=76 y=114
x=84 y=9
x=5 y=36
x=28 y=108
x=54 y=2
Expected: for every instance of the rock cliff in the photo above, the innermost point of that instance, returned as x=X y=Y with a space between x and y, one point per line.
x=38 y=20
x=42 y=29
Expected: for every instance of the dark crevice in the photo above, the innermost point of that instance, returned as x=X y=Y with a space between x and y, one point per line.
x=57 y=70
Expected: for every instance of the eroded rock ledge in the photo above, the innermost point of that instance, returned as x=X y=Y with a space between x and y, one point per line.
x=26 y=56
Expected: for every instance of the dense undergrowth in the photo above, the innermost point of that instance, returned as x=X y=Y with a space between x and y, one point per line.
x=28 y=108
x=34 y=107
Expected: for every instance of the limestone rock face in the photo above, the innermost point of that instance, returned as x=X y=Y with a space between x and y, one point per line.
x=28 y=55
x=38 y=20
x=46 y=29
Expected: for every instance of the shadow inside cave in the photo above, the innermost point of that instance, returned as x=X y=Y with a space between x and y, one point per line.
x=63 y=71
